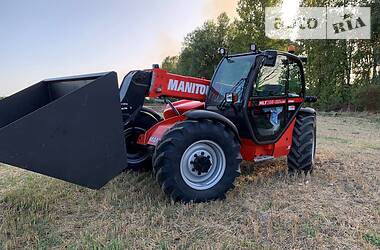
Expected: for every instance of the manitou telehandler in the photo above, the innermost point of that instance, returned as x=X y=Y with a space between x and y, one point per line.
x=85 y=130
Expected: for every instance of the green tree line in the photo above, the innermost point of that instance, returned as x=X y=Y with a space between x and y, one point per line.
x=344 y=74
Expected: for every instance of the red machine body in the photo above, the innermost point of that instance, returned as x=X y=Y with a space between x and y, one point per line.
x=194 y=91
x=177 y=86
x=251 y=110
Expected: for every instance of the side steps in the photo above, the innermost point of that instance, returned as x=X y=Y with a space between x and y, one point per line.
x=263 y=158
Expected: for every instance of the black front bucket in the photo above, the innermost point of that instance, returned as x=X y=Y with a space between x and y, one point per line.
x=68 y=128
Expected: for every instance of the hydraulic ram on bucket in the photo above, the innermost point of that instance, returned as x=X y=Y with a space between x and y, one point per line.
x=68 y=128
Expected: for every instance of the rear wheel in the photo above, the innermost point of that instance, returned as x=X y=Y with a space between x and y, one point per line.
x=139 y=156
x=302 y=154
x=197 y=161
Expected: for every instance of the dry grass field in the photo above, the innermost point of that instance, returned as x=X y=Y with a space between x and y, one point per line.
x=338 y=206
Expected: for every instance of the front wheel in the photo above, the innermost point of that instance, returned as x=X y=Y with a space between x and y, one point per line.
x=197 y=161
x=139 y=156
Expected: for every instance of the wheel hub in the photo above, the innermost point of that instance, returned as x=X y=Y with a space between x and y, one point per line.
x=135 y=153
x=201 y=163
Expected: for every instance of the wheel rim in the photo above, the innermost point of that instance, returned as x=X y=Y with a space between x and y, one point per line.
x=203 y=164
x=135 y=153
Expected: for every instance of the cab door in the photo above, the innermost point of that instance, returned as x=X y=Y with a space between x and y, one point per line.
x=277 y=95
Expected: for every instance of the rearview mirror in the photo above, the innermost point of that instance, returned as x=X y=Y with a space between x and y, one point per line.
x=270 y=58
x=303 y=59
x=311 y=99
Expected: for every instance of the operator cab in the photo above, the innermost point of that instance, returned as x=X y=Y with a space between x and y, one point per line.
x=259 y=91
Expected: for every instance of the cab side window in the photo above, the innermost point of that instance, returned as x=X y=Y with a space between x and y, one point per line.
x=270 y=111
x=271 y=81
x=295 y=82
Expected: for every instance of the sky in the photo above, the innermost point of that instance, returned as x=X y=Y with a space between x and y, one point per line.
x=42 y=39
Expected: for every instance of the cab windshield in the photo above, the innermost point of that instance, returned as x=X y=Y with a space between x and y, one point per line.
x=230 y=78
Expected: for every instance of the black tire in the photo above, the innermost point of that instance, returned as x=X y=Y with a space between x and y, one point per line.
x=139 y=156
x=302 y=153
x=168 y=169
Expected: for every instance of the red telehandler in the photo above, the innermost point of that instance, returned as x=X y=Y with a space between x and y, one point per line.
x=85 y=130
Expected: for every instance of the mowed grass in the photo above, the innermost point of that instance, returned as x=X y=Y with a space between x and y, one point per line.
x=338 y=206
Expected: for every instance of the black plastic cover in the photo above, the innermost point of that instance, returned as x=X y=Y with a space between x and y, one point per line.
x=133 y=90
x=68 y=128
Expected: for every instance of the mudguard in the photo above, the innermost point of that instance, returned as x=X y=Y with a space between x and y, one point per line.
x=206 y=114
x=308 y=110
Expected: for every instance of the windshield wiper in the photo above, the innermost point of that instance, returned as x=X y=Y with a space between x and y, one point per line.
x=242 y=80
x=222 y=104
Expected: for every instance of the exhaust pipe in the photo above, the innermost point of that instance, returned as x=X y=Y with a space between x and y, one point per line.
x=67 y=128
